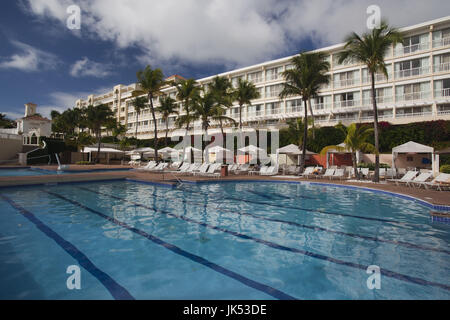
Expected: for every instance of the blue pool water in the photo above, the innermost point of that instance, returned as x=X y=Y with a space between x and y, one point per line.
x=38 y=172
x=218 y=241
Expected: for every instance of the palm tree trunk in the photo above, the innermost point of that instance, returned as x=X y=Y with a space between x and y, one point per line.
x=240 y=117
x=223 y=137
x=155 y=142
x=137 y=118
x=355 y=166
x=167 y=130
x=312 y=117
x=376 y=176
x=305 y=135
x=99 y=140
x=187 y=128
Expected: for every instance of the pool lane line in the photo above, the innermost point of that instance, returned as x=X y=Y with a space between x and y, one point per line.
x=116 y=290
x=385 y=272
x=277 y=294
x=259 y=217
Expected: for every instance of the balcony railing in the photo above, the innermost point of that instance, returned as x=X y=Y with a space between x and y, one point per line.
x=379 y=77
x=321 y=106
x=346 y=103
x=412 y=72
x=273 y=111
x=274 y=93
x=411 y=49
x=442 y=67
x=441 y=42
x=442 y=93
x=413 y=114
x=273 y=76
x=296 y=109
x=254 y=114
x=346 y=83
x=380 y=100
x=444 y=112
x=380 y=117
x=413 y=96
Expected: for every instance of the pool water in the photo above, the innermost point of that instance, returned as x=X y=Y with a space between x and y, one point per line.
x=38 y=172
x=218 y=241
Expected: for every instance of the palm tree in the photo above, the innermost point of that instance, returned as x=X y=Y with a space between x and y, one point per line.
x=305 y=79
x=167 y=107
x=371 y=49
x=139 y=104
x=356 y=140
x=187 y=91
x=151 y=82
x=244 y=94
x=96 y=118
x=222 y=90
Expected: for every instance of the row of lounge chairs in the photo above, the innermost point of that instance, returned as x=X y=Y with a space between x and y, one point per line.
x=183 y=168
x=419 y=180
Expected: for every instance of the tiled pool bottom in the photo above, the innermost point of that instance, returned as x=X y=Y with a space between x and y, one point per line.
x=29 y=171
x=218 y=241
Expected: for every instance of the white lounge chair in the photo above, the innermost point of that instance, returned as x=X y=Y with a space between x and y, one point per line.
x=338 y=174
x=408 y=177
x=270 y=171
x=158 y=168
x=182 y=168
x=441 y=183
x=212 y=170
x=423 y=177
x=244 y=168
x=308 y=171
x=328 y=173
x=148 y=166
x=201 y=170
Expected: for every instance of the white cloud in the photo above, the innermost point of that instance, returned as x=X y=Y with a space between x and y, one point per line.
x=232 y=32
x=88 y=68
x=30 y=59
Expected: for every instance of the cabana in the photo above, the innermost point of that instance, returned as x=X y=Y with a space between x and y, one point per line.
x=415 y=155
x=187 y=154
x=292 y=155
x=331 y=154
x=218 y=154
x=250 y=152
x=105 y=151
x=172 y=154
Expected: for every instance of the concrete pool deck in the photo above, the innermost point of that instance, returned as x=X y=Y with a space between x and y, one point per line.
x=437 y=198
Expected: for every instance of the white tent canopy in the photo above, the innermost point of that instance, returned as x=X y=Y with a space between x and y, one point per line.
x=144 y=150
x=108 y=151
x=412 y=147
x=292 y=149
x=251 y=149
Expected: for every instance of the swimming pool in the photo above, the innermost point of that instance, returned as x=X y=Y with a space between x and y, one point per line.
x=218 y=241
x=18 y=172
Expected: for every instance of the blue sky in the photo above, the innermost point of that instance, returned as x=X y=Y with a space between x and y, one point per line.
x=44 y=62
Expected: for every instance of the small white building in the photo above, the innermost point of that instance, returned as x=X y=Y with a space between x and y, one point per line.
x=33 y=126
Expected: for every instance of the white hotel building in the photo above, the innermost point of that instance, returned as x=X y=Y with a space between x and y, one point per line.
x=417 y=89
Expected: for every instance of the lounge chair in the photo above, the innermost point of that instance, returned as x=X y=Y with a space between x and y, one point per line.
x=441 y=183
x=243 y=169
x=182 y=168
x=294 y=170
x=382 y=173
x=408 y=177
x=211 y=172
x=391 y=173
x=160 y=167
x=190 y=169
x=270 y=171
x=201 y=170
x=328 y=173
x=338 y=174
x=175 y=165
x=423 y=177
x=148 y=166
x=308 y=171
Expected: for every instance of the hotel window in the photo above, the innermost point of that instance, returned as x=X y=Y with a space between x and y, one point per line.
x=442 y=63
x=235 y=81
x=273 y=108
x=441 y=38
x=383 y=95
x=321 y=103
x=274 y=73
x=442 y=88
x=255 y=77
x=346 y=79
x=348 y=99
x=294 y=105
x=379 y=76
x=255 y=111
x=414 y=91
x=411 y=68
x=412 y=44
x=273 y=91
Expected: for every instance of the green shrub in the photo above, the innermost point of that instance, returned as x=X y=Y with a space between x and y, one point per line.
x=445 y=168
x=371 y=166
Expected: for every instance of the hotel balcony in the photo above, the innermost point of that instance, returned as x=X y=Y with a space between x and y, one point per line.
x=412 y=72
x=347 y=104
x=414 y=96
x=442 y=67
x=380 y=101
x=441 y=42
x=379 y=77
x=346 y=83
x=411 y=49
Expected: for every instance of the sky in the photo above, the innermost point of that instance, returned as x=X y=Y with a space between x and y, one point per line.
x=45 y=62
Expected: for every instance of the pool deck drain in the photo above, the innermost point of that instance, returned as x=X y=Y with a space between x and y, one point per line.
x=437 y=198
